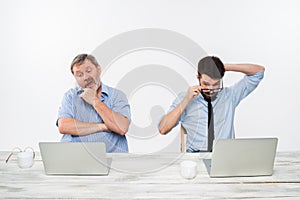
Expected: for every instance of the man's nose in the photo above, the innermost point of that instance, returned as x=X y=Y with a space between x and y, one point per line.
x=86 y=77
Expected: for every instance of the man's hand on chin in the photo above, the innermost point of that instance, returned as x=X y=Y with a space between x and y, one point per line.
x=89 y=95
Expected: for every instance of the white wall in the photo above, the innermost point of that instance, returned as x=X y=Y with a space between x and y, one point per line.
x=40 y=38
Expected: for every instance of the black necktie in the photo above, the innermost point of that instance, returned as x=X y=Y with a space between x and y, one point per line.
x=210 y=135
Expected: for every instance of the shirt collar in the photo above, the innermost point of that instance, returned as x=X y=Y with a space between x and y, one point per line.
x=104 y=89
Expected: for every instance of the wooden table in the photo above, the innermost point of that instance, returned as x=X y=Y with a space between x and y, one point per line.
x=153 y=176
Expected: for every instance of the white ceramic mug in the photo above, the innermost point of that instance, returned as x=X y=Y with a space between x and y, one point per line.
x=188 y=169
x=26 y=158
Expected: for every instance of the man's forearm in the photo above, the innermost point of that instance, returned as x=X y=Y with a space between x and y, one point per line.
x=169 y=120
x=75 y=127
x=248 y=69
x=113 y=121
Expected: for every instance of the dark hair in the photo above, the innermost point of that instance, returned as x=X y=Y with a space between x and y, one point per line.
x=78 y=60
x=211 y=66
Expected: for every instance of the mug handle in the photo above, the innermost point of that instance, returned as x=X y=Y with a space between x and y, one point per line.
x=31 y=150
x=16 y=148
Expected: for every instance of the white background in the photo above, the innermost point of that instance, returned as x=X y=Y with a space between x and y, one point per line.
x=39 y=39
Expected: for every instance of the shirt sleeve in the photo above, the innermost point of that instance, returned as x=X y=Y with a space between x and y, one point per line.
x=245 y=86
x=175 y=103
x=65 y=110
x=120 y=104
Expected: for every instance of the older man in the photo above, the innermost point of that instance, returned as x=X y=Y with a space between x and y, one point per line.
x=93 y=111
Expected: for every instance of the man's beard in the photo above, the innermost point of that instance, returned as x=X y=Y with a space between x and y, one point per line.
x=209 y=98
x=91 y=81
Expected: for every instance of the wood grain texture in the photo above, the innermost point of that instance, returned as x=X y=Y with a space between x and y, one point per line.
x=153 y=176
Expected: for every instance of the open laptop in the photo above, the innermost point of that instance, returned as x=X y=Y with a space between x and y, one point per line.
x=78 y=158
x=242 y=157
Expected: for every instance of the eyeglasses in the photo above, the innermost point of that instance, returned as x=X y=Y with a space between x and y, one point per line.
x=212 y=91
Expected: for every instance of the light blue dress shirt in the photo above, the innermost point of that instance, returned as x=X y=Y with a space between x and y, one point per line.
x=73 y=106
x=194 y=118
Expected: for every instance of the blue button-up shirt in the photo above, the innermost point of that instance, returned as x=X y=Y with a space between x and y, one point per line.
x=73 y=106
x=195 y=117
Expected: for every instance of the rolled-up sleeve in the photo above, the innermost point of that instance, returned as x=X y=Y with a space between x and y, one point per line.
x=245 y=86
x=175 y=103
x=120 y=104
x=65 y=109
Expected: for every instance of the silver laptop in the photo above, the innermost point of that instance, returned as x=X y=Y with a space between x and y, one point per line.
x=76 y=158
x=242 y=157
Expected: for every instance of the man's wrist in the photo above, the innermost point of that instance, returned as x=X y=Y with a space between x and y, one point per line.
x=101 y=129
x=96 y=102
x=228 y=67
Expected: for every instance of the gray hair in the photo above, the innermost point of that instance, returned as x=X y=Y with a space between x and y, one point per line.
x=78 y=60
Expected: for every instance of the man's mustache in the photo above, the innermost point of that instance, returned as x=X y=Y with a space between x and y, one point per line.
x=88 y=81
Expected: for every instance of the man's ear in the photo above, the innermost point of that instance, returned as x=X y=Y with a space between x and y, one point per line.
x=198 y=76
x=99 y=69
